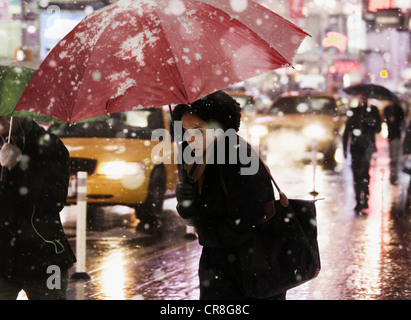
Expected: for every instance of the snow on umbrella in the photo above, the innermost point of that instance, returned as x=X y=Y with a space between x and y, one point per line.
x=141 y=53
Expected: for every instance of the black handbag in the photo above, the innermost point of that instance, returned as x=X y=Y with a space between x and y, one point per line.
x=284 y=251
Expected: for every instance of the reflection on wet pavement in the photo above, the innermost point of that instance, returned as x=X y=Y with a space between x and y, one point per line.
x=363 y=256
x=122 y=272
x=124 y=264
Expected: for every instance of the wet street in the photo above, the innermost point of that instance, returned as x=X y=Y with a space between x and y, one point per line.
x=363 y=256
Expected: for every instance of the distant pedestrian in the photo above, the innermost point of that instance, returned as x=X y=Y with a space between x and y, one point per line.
x=394 y=117
x=34 y=253
x=363 y=123
x=407 y=164
x=224 y=221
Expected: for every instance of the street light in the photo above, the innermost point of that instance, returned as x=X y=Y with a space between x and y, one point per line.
x=22 y=54
x=19 y=54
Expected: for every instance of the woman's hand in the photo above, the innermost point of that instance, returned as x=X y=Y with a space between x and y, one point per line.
x=187 y=197
x=10 y=155
x=187 y=192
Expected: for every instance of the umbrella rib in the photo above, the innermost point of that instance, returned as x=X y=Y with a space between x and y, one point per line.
x=255 y=33
x=179 y=73
x=259 y=37
x=86 y=65
x=238 y=21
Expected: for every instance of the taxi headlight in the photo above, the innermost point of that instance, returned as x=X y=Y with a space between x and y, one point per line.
x=315 y=131
x=258 y=130
x=119 y=169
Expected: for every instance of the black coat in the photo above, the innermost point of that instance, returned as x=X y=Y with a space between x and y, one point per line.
x=394 y=117
x=32 y=195
x=407 y=140
x=226 y=225
x=363 y=123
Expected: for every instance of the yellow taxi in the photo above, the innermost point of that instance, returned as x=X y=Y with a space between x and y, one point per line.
x=249 y=112
x=246 y=101
x=117 y=154
x=303 y=126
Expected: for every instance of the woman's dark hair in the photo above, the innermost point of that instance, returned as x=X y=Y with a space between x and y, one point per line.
x=218 y=107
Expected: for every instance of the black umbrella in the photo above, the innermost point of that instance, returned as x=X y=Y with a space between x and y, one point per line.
x=370 y=91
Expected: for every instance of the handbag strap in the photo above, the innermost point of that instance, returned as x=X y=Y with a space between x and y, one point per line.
x=283 y=198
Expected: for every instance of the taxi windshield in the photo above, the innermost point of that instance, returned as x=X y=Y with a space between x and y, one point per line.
x=304 y=105
x=136 y=124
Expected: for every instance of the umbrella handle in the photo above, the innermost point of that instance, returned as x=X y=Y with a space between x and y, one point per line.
x=11 y=124
x=182 y=172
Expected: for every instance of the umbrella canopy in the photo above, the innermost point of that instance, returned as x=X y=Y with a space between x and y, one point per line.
x=370 y=91
x=13 y=81
x=141 y=53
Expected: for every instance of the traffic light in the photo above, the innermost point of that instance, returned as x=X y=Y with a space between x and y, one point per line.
x=384 y=73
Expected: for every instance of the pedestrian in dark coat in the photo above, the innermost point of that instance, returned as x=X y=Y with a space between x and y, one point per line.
x=394 y=117
x=407 y=141
x=226 y=223
x=407 y=164
x=363 y=123
x=34 y=253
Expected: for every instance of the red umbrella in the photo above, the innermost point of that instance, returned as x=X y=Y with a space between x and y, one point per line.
x=138 y=53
